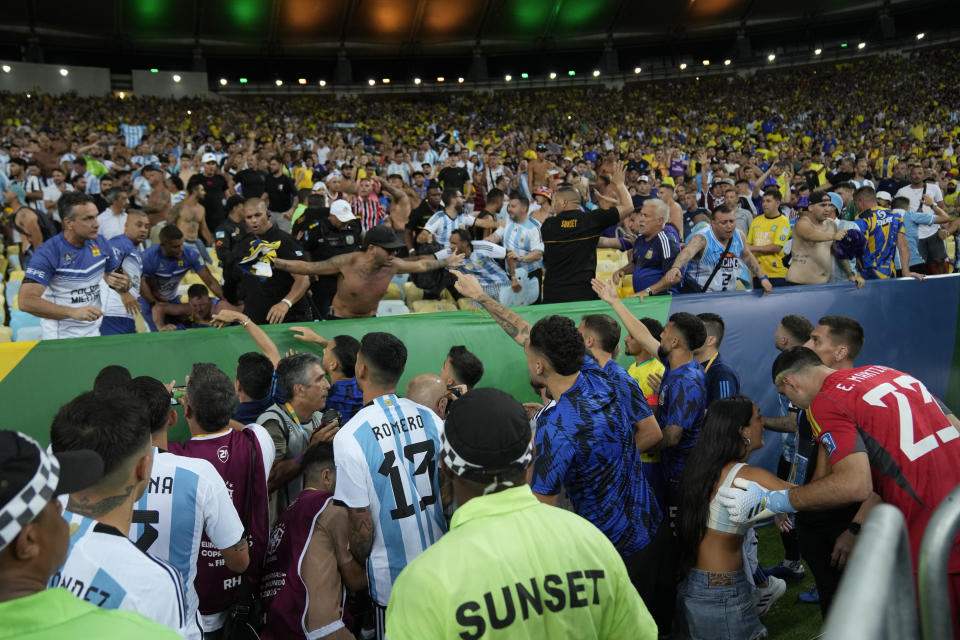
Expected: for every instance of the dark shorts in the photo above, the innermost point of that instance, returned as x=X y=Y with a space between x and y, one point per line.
x=115 y=325
x=932 y=249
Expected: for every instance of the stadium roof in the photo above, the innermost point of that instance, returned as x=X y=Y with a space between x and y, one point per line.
x=224 y=33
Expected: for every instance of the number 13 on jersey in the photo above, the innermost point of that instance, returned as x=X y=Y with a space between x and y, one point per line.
x=419 y=459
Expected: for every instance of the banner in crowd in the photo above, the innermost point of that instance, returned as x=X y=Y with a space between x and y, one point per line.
x=909 y=325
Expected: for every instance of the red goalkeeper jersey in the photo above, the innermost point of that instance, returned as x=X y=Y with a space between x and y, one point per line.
x=913 y=449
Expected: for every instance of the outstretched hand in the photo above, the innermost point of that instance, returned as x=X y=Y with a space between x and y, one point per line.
x=605 y=290
x=467 y=284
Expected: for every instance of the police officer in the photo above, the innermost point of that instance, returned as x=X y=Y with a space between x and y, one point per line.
x=325 y=233
x=225 y=241
x=558 y=573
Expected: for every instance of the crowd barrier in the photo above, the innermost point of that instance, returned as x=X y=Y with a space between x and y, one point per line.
x=909 y=325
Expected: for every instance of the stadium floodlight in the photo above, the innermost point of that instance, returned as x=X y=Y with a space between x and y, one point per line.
x=596 y=73
x=637 y=69
x=243 y=81
x=683 y=65
x=817 y=51
x=189 y=113
x=323 y=83
x=371 y=82
x=176 y=77
x=417 y=81
x=507 y=78
x=6 y=68
x=705 y=63
x=223 y=82
x=441 y=79
x=460 y=80
x=302 y=80
x=553 y=75
x=385 y=80
x=122 y=95
x=154 y=70
x=862 y=45
x=921 y=35
x=524 y=75
x=279 y=82
x=64 y=72
x=727 y=62
x=771 y=57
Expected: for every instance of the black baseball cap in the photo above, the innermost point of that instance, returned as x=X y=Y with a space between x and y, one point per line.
x=383 y=237
x=30 y=478
x=486 y=434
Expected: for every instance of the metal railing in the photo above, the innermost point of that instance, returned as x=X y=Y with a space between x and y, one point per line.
x=932 y=564
x=876 y=596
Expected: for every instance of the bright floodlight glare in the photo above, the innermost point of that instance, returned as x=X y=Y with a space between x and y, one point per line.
x=371 y=82
x=524 y=75
x=302 y=80
x=64 y=73
x=385 y=80
x=508 y=78
x=279 y=83
x=921 y=35
x=817 y=51
x=683 y=65
x=6 y=68
x=862 y=45
x=460 y=80
x=706 y=63
x=223 y=82
x=440 y=79
x=596 y=73
x=176 y=77
x=637 y=69
x=772 y=57
x=323 y=83
x=553 y=75
x=417 y=81
x=727 y=62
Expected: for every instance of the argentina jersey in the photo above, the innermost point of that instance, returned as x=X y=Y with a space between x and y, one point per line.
x=185 y=498
x=441 y=225
x=386 y=459
x=168 y=272
x=726 y=277
x=523 y=238
x=132 y=264
x=72 y=277
x=105 y=568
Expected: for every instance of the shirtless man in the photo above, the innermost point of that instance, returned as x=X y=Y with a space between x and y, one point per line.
x=158 y=202
x=189 y=216
x=813 y=237
x=538 y=168
x=365 y=275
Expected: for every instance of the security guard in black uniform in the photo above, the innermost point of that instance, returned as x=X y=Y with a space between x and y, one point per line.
x=324 y=233
x=225 y=242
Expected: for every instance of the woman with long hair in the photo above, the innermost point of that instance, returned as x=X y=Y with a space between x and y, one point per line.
x=715 y=598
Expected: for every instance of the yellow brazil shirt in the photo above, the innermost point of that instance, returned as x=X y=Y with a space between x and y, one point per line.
x=764 y=230
x=640 y=371
x=559 y=577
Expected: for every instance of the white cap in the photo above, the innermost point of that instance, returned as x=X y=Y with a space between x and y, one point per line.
x=341 y=210
x=208 y=157
x=643 y=179
x=319 y=186
x=884 y=195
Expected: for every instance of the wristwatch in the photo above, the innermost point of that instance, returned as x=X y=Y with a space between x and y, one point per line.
x=854 y=528
x=649 y=291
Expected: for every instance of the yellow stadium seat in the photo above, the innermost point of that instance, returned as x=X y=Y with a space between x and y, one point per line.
x=6 y=334
x=625 y=288
x=432 y=306
x=607 y=254
x=465 y=304
x=393 y=292
x=16 y=275
x=446 y=295
x=191 y=278
x=4 y=263
x=412 y=292
x=13 y=249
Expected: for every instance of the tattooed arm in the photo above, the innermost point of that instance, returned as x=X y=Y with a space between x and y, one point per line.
x=237 y=556
x=515 y=326
x=360 y=535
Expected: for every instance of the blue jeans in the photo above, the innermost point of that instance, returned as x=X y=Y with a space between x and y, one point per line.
x=717 y=606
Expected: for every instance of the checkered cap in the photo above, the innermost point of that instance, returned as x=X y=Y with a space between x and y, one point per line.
x=479 y=473
x=27 y=504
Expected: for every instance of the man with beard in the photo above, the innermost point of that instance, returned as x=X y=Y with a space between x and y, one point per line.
x=336 y=233
x=813 y=237
x=215 y=185
x=431 y=204
x=365 y=275
x=442 y=223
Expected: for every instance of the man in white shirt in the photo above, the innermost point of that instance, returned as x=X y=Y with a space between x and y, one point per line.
x=103 y=566
x=931 y=246
x=52 y=192
x=113 y=219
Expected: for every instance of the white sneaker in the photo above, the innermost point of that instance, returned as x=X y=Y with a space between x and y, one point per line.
x=766 y=595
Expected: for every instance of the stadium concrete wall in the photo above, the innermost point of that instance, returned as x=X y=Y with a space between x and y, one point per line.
x=26 y=77
x=910 y=325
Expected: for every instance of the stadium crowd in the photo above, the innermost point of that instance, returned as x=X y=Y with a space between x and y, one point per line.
x=315 y=499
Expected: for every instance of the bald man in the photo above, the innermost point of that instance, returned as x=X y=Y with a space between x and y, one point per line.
x=430 y=391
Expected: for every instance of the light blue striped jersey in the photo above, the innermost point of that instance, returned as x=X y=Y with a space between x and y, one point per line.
x=441 y=225
x=186 y=498
x=386 y=458
x=726 y=278
x=105 y=568
x=482 y=262
x=523 y=238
